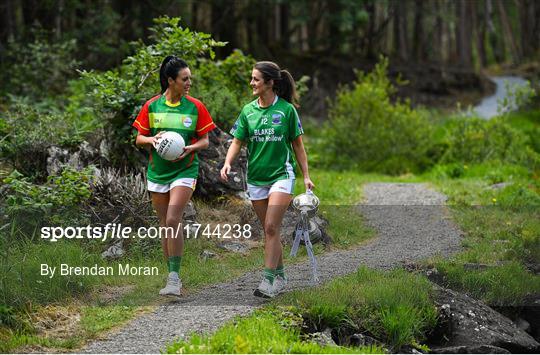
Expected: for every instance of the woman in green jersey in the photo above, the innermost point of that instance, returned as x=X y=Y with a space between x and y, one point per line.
x=171 y=184
x=271 y=129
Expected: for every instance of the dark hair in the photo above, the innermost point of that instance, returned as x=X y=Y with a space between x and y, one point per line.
x=170 y=67
x=284 y=85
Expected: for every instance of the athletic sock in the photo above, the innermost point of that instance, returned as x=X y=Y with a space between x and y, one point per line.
x=280 y=271
x=269 y=274
x=174 y=264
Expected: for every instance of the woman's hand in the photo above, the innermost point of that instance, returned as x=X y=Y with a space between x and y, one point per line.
x=187 y=150
x=308 y=183
x=225 y=171
x=155 y=139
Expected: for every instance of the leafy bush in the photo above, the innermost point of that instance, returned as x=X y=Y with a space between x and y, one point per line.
x=39 y=68
x=366 y=130
x=473 y=140
x=51 y=202
x=117 y=95
x=28 y=131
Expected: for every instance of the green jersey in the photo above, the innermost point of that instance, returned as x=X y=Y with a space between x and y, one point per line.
x=189 y=118
x=268 y=133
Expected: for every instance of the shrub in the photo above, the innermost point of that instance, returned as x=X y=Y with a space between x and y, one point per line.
x=39 y=68
x=366 y=130
x=473 y=140
x=117 y=95
x=29 y=131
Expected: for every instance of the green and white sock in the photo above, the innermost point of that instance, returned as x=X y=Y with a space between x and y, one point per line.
x=174 y=264
x=280 y=271
x=269 y=274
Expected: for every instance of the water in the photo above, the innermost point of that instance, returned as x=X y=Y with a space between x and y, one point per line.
x=488 y=107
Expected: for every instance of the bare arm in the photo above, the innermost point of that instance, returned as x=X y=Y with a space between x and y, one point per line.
x=301 y=157
x=232 y=153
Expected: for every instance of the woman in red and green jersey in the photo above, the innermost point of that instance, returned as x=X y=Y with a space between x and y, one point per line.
x=171 y=183
x=271 y=129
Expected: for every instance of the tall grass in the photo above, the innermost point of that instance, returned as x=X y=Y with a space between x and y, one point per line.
x=394 y=306
x=266 y=331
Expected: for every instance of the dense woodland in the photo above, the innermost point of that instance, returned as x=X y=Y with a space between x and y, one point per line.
x=468 y=33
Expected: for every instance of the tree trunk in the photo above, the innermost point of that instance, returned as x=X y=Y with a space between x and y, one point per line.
x=401 y=46
x=508 y=35
x=481 y=31
x=418 y=33
x=463 y=33
x=497 y=47
x=438 y=49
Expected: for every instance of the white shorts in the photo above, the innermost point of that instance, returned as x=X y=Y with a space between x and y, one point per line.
x=187 y=182
x=262 y=192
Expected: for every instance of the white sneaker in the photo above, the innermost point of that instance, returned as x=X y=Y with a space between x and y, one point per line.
x=280 y=282
x=265 y=289
x=173 y=287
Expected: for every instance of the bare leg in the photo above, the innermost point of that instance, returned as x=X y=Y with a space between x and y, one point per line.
x=179 y=197
x=273 y=250
x=160 y=201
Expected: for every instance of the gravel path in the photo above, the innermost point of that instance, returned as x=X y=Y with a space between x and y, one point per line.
x=411 y=222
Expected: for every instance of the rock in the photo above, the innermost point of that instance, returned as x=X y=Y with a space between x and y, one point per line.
x=362 y=340
x=58 y=158
x=464 y=321
x=471 y=349
x=190 y=213
x=207 y=254
x=209 y=183
x=317 y=228
x=236 y=247
x=523 y=324
x=323 y=338
x=115 y=251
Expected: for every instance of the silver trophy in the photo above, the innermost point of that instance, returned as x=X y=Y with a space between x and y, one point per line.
x=306 y=206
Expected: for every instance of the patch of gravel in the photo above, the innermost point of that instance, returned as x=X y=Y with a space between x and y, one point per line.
x=411 y=222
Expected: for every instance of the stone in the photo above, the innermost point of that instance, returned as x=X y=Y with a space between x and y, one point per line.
x=236 y=247
x=115 y=251
x=470 y=349
x=464 y=321
x=323 y=338
x=362 y=340
x=207 y=254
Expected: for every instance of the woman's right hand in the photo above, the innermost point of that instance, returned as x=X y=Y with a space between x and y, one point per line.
x=225 y=171
x=155 y=139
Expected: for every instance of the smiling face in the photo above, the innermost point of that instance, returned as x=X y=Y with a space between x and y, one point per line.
x=182 y=83
x=258 y=85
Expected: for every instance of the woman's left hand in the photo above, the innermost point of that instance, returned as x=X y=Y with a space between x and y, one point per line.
x=187 y=150
x=308 y=184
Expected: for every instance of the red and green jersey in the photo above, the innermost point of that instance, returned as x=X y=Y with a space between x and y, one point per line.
x=189 y=118
x=268 y=132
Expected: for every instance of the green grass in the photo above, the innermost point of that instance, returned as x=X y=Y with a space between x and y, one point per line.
x=266 y=331
x=395 y=307
x=502 y=230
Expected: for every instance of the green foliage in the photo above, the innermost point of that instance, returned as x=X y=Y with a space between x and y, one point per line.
x=367 y=131
x=51 y=202
x=224 y=86
x=395 y=306
x=30 y=130
x=39 y=68
x=266 y=331
x=473 y=140
x=504 y=285
x=117 y=95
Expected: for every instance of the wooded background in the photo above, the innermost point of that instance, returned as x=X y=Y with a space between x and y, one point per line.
x=468 y=33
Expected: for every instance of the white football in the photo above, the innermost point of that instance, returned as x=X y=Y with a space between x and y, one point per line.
x=170 y=145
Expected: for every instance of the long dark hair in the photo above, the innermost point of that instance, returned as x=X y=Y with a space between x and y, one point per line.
x=170 y=67
x=284 y=85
